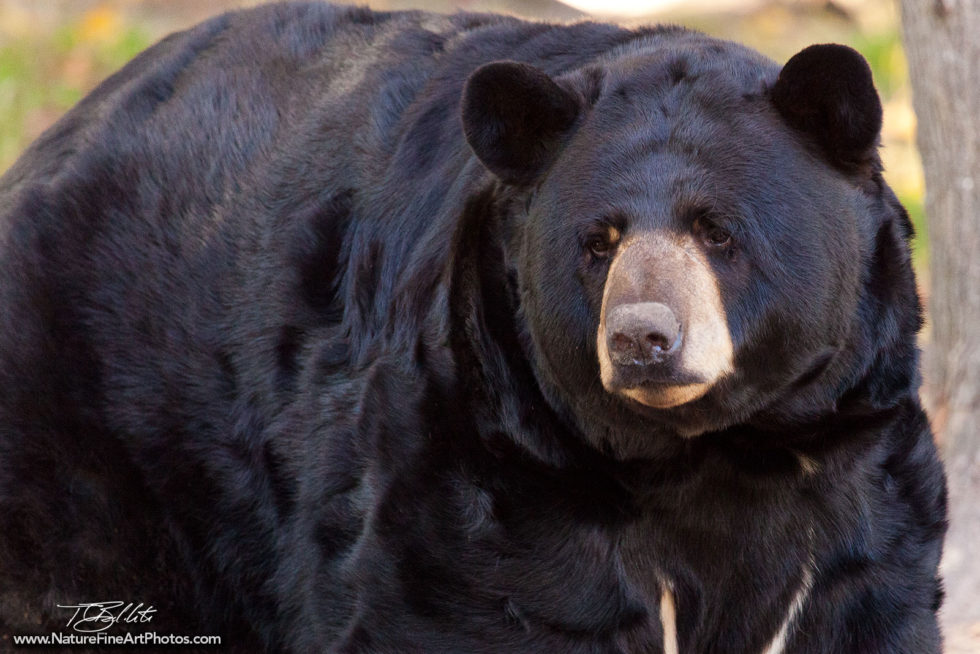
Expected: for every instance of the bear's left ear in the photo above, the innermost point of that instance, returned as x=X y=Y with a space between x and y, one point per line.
x=826 y=91
x=515 y=117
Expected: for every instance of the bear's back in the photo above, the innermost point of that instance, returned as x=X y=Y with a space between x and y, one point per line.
x=170 y=246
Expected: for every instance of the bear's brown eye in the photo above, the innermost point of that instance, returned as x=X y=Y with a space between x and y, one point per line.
x=718 y=237
x=712 y=235
x=601 y=244
x=598 y=246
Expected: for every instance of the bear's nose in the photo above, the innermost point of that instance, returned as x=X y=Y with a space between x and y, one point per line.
x=642 y=333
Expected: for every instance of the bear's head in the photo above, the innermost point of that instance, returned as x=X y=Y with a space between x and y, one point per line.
x=698 y=237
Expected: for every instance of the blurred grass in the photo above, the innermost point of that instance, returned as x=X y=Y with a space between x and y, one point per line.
x=47 y=66
x=52 y=53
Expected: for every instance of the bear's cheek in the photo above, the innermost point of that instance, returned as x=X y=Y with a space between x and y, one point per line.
x=663 y=338
x=559 y=312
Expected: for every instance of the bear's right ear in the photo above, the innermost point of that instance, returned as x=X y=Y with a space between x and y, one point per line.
x=827 y=92
x=515 y=117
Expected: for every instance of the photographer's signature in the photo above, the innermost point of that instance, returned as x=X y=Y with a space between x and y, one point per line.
x=92 y=617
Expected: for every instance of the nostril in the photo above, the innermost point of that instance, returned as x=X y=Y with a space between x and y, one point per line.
x=657 y=343
x=622 y=342
x=641 y=334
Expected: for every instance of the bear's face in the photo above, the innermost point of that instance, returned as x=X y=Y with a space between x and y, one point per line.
x=688 y=250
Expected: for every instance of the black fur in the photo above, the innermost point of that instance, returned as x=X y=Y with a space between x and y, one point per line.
x=281 y=357
x=826 y=91
x=514 y=116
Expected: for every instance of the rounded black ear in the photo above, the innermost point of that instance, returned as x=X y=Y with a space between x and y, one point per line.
x=827 y=92
x=514 y=118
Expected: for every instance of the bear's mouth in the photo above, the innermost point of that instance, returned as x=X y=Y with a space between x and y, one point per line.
x=657 y=389
x=659 y=386
x=661 y=395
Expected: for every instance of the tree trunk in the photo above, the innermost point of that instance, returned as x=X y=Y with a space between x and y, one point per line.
x=944 y=63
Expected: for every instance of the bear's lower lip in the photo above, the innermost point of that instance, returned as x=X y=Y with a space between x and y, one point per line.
x=665 y=396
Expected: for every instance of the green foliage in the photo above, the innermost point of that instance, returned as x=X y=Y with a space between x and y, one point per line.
x=44 y=71
x=884 y=53
x=42 y=74
x=920 y=245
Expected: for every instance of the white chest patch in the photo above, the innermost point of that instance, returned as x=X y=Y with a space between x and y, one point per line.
x=778 y=644
x=668 y=617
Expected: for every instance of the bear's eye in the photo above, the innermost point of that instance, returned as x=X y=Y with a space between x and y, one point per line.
x=718 y=237
x=601 y=243
x=598 y=246
x=713 y=235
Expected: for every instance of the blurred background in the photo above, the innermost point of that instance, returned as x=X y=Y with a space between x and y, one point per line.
x=52 y=52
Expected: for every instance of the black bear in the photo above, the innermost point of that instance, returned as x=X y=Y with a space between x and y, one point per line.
x=331 y=330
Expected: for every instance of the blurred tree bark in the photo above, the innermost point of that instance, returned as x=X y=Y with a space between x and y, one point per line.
x=944 y=63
